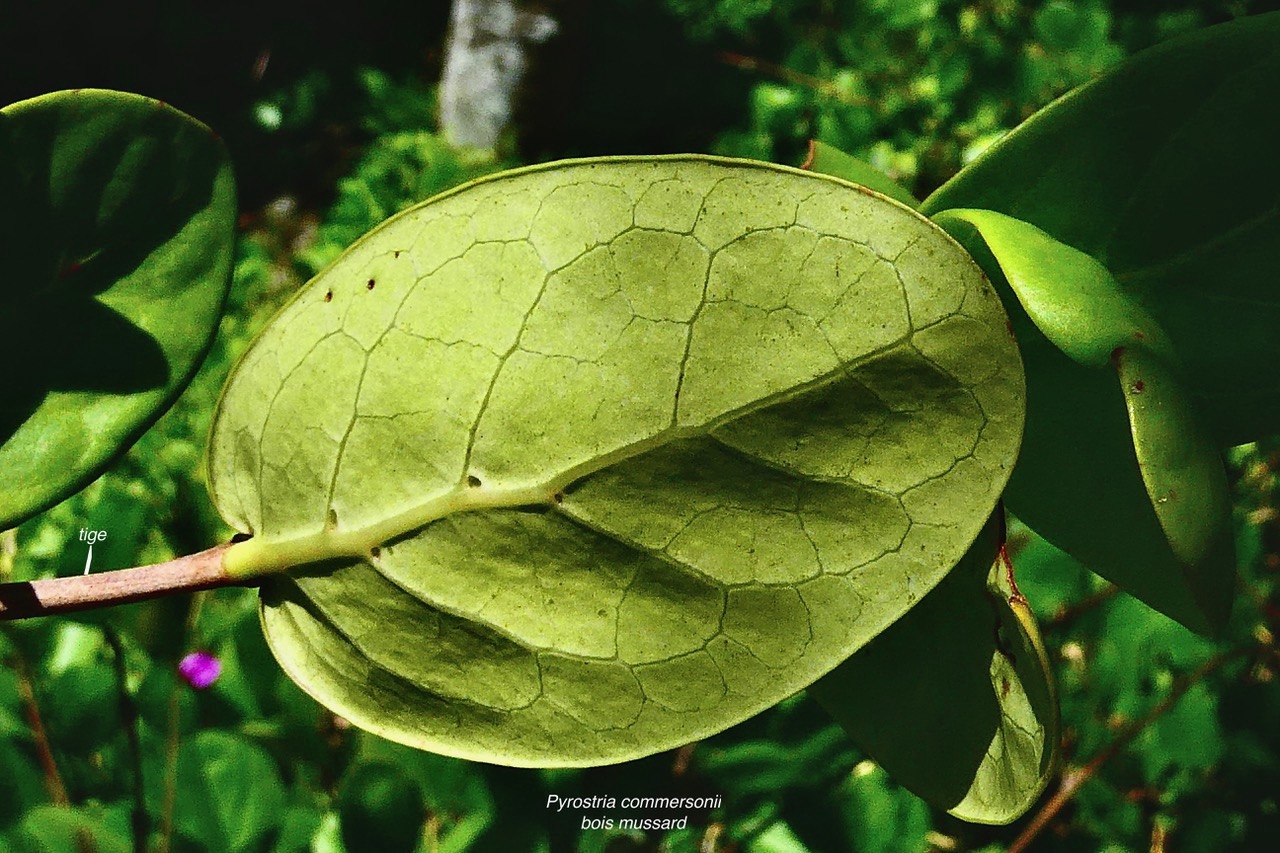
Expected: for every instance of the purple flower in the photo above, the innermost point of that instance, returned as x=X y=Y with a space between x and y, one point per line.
x=200 y=669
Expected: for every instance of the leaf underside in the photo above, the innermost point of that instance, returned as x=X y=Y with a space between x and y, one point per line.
x=589 y=460
x=117 y=223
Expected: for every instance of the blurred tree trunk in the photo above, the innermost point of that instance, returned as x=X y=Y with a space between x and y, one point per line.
x=485 y=59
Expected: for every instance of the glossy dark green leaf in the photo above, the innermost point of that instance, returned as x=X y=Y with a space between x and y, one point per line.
x=117 y=221
x=1165 y=171
x=955 y=699
x=1185 y=480
x=1141 y=493
x=829 y=160
x=589 y=460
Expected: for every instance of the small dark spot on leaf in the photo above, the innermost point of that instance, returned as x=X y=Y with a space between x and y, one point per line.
x=375 y=552
x=1139 y=387
x=328 y=296
x=397 y=253
x=333 y=519
x=1141 y=336
x=369 y=286
x=1004 y=687
x=1115 y=355
x=473 y=481
x=558 y=497
x=241 y=537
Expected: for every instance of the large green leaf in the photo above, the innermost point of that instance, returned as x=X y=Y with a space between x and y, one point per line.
x=1138 y=492
x=588 y=460
x=1069 y=296
x=1165 y=170
x=956 y=699
x=117 y=220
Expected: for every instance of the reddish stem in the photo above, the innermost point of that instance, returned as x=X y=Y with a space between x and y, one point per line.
x=83 y=592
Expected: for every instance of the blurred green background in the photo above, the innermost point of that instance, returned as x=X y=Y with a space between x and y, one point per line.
x=331 y=116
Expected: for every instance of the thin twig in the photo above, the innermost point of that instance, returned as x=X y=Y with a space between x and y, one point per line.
x=1073 y=779
x=1070 y=612
x=129 y=719
x=82 y=592
x=789 y=75
x=172 y=738
x=53 y=783
x=169 y=799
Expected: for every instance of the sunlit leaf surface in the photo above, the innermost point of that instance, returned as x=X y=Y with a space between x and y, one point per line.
x=592 y=459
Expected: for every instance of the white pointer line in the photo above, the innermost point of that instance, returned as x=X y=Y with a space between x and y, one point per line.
x=88 y=560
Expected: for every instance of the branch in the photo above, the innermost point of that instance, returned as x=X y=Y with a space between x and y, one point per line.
x=53 y=783
x=83 y=592
x=169 y=800
x=1073 y=779
x=797 y=78
x=129 y=718
x=1070 y=612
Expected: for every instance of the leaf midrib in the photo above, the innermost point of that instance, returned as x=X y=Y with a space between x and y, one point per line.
x=264 y=555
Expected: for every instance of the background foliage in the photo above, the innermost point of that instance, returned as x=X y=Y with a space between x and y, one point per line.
x=330 y=117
